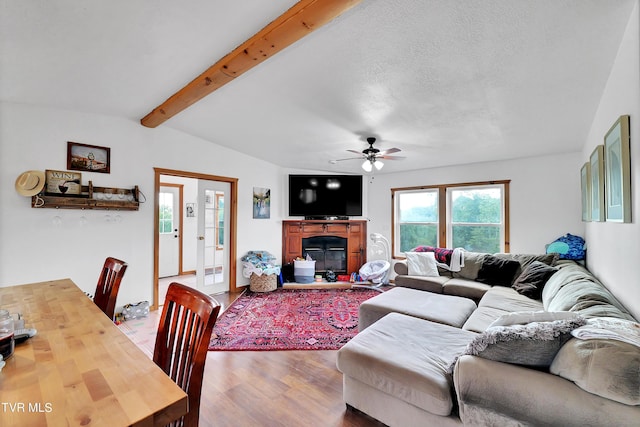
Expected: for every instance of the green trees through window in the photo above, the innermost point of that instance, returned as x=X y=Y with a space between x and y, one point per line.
x=165 y=202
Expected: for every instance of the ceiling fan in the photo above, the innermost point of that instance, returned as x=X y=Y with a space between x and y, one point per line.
x=372 y=156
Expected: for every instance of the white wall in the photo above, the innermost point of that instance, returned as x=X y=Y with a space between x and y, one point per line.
x=544 y=196
x=614 y=250
x=33 y=249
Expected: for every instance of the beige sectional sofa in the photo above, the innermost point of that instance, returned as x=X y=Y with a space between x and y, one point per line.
x=452 y=350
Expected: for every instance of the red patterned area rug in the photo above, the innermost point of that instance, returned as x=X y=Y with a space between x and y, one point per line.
x=285 y=319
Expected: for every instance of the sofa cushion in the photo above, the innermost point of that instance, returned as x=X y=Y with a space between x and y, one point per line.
x=498 y=271
x=482 y=318
x=407 y=358
x=526 y=259
x=423 y=283
x=509 y=300
x=573 y=288
x=472 y=264
x=401 y=269
x=524 y=317
x=607 y=368
x=465 y=288
x=446 y=309
x=533 y=278
x=422 y=264
x=534 y=344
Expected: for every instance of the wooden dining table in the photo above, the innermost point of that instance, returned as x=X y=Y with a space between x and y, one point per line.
x=79 y=369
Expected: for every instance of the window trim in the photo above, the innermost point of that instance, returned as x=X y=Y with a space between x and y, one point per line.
x=443 y=214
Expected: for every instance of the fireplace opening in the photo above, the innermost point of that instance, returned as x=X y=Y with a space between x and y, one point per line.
x=329 y=252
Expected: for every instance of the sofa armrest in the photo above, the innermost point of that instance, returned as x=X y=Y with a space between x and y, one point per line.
x=496 y=393
x=400 y=267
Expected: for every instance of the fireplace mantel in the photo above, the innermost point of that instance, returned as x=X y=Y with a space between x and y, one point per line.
x=355 y=231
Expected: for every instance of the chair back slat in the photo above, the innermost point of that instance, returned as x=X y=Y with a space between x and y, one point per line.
x=184 y=332
x=109 y=284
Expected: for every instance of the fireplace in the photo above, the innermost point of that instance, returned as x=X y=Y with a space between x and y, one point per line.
x=329 y=252
x=346 y=249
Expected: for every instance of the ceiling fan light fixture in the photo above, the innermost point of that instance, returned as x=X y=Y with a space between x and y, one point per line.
x=367 y=165
x=378 y=164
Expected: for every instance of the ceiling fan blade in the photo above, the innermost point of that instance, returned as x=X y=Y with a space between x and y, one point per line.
x=354 y=151
x=391 y=157
x=389 y=151
x=333 y=161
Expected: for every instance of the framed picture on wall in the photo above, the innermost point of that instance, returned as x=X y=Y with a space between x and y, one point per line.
x=618 y=171
x=585 y=184
x=596 y=171
x=63 y=183
x=89 y=158
x=261 y=203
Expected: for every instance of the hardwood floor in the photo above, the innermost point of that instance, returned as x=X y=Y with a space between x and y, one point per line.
x=273 y=388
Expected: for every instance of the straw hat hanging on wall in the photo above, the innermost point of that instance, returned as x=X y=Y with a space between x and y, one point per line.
x=30 y=183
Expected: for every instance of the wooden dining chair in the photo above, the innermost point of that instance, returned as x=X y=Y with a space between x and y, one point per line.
x=109 y=285
x=184 y=332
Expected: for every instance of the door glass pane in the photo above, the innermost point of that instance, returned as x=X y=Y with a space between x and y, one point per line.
x=166 y=212
x=220 y=217
x=213 y=237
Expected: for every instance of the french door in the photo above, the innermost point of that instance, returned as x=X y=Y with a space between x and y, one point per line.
x=212 y=259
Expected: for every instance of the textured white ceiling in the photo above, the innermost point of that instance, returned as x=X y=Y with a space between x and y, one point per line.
x=446 y=81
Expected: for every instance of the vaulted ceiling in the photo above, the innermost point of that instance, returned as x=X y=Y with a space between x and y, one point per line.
x=446 y=81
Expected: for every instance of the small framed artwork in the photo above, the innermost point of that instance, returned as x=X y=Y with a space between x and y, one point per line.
x=191 y=210
x=65 y=183
x=261 y=203
x=596 y=172
x=89 y=158
x=585 y=183
x=618 y=171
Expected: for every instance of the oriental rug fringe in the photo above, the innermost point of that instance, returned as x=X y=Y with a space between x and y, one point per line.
x=285 y=319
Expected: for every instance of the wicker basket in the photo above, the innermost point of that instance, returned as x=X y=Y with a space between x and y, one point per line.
x=263 y=283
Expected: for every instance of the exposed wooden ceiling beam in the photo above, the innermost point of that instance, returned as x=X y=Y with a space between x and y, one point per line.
x=304 y=17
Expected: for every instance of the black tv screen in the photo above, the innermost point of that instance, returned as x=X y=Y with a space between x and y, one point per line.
x=325 y=195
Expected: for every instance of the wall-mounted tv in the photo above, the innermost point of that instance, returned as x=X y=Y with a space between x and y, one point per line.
x=325 y=196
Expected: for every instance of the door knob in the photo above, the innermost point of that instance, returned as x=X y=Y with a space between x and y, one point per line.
x=200 y=237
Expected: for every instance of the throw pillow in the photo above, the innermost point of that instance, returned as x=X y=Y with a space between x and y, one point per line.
x=498 y=271
x=534 y=344
x=422 y=264
x=524 y=317
x=532 y=280
x=569 y=247
x=472 y=265
x=607 y=368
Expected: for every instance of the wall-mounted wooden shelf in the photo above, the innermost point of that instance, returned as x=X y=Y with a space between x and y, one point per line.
x=104 y=198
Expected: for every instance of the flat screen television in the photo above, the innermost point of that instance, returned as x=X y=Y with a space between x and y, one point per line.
x=325 y=196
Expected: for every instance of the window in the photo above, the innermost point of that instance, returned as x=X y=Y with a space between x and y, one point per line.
x=417 y=217
x=166 y=212
x=470 y=216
